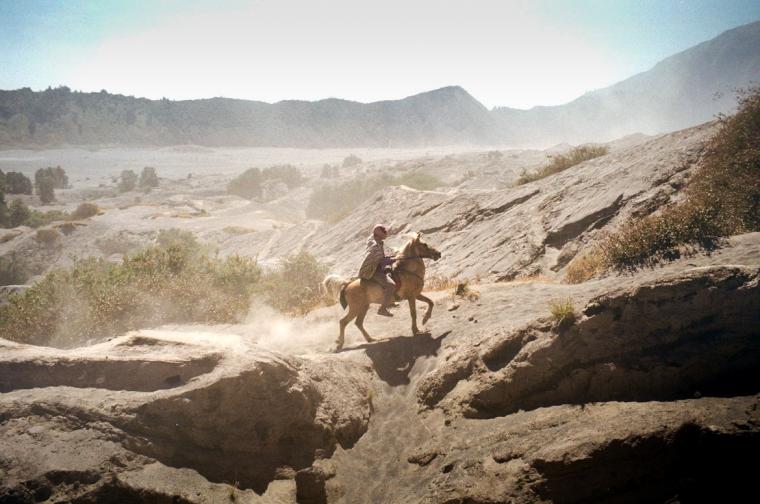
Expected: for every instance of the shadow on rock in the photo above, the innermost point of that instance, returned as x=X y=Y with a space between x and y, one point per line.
x=394 y=358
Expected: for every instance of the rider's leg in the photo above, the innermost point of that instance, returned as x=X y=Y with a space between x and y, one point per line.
x=388 y=288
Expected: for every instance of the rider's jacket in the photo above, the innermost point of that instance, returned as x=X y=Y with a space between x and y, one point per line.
x=373 y=257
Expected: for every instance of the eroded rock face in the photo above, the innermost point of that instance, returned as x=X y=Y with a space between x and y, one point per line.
x=244 y=416
x=650 y=396
x=516 y=231
x=694 y=332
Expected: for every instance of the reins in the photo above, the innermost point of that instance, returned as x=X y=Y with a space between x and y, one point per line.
x=401 y=270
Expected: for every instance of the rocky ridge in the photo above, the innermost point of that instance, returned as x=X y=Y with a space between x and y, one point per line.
x=651 y=394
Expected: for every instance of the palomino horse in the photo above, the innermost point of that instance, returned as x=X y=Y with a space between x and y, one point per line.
x=409 y=270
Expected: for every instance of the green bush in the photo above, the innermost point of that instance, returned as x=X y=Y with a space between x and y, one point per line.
x=17 y=183
x=45 y=189
x=419 y=180
x=249 y=183
x=19 y=213
x=85 y=210
x=13 y=270
x=5 y=214
x=293 y=287
x=563 y=162
x=148 y=178
x=48 y=236
x=161 y=284
x=57 y=174
x=351 y=160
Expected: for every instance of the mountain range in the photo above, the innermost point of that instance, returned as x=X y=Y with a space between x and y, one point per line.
x=685 y=89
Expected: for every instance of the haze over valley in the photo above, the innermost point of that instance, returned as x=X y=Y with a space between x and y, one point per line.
x=578 y=306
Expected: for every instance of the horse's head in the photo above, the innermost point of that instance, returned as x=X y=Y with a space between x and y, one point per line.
x=422 y=249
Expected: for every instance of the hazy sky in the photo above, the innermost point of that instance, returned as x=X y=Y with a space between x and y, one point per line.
x=513 y=53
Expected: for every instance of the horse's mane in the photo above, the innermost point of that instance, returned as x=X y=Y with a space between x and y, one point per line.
x=406 y=250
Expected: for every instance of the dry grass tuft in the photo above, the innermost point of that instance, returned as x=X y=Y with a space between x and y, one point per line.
x=722 y=199
x=238 y=230
x=562 y=311
x=562 y=162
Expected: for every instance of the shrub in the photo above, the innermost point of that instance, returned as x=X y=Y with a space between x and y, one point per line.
x=97 y=298
x=331 y=202
x=585 y=265
x=562 y=311
x=293 y=287
x=85 y=210
x=127 y=181
x=13 y=270
x=351 y=160
x=17 y=183
x=48 y=236
x=419 y=180
x=148 y=178
x=45 y=189
x=249 y=184
x=178 y=237
x=5 y=215
x=723 y=198
x=57 y=174
x=563 y=162
x=19 y=213
x=285 y=173
x=37 y=218
x=329 y=171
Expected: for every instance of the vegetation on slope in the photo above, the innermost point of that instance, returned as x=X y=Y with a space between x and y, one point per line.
x=175 y=281
x=562 y=162
x=333 y=201
x=722 y=199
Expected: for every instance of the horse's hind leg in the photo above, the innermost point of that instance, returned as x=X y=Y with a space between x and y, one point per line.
x=343 y=323
x=360 y=323
x=429 y=311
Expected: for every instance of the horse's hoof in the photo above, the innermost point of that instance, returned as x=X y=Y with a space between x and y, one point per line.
x=369 y=340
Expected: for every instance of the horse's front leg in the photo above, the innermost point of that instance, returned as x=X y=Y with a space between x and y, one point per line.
x=413 y=313
x=429 y=311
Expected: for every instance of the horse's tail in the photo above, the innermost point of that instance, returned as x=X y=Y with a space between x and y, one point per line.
x=342 y=298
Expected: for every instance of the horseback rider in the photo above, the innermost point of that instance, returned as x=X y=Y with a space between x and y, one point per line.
x=376 y=266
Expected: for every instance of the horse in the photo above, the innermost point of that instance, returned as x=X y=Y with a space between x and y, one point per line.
x=408 y=271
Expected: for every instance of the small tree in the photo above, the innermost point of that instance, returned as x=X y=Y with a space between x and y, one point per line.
x=127 y=181
x=57 y=174
x=351 y=160
x=46 y=188
x=5 y=218
x=17 y=183
x=148 y=177
x=19 y=213
x=246 y=185
x=330 y=171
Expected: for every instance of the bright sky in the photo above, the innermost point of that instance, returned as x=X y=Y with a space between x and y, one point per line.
x=512 y=53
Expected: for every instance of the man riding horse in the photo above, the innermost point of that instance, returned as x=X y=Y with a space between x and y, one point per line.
x=373 y=285
x=376 y=266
